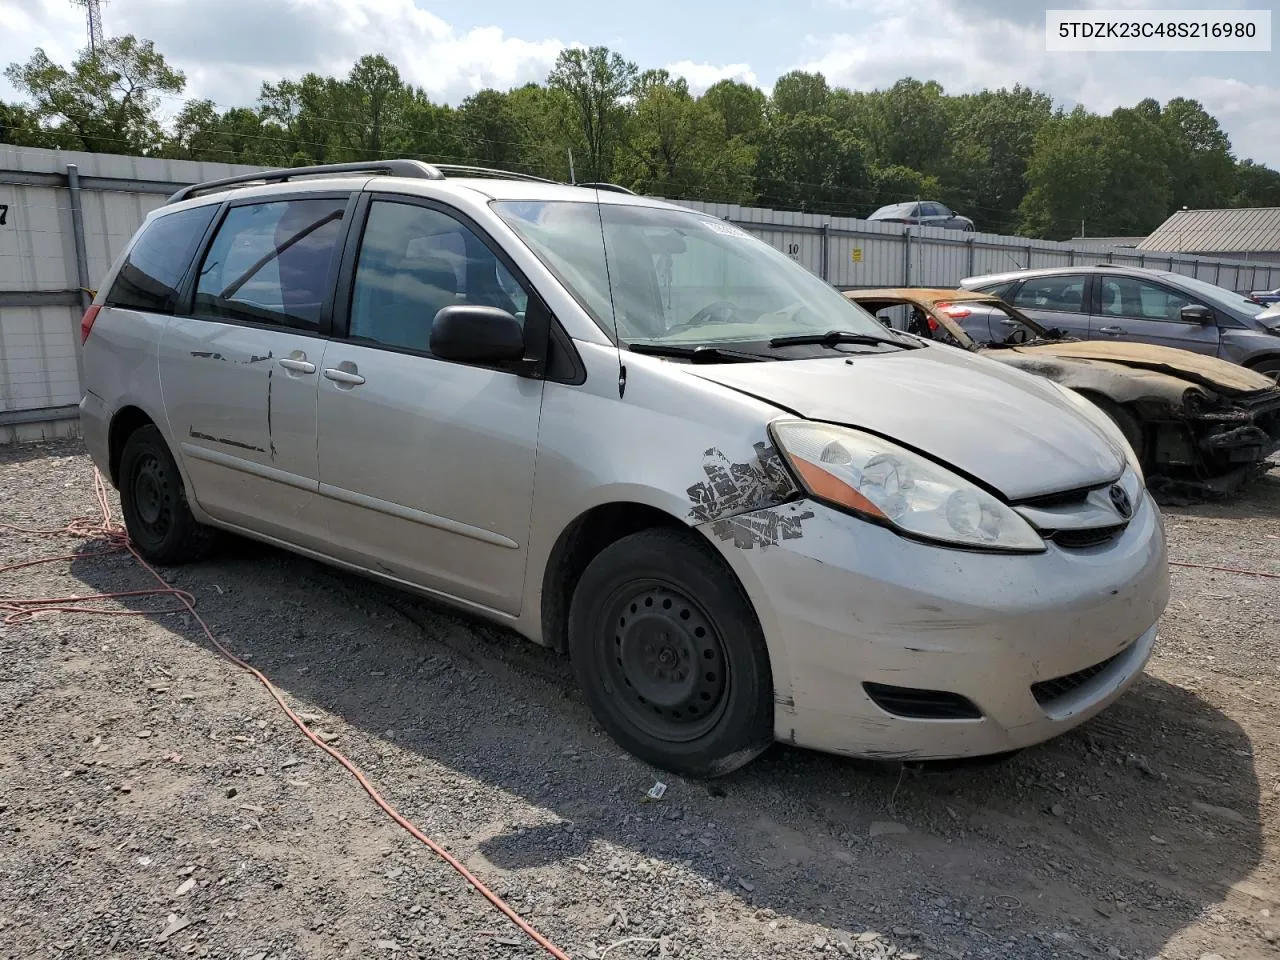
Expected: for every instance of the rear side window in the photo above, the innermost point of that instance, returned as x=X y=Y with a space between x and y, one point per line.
x=272 y=263
x=153 y=271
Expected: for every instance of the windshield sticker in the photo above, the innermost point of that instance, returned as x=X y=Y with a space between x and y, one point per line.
x=726 y=229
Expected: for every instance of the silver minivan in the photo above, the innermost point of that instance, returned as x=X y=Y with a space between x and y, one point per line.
x=745 y=509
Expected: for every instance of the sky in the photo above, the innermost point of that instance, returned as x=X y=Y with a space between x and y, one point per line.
x=452 y=48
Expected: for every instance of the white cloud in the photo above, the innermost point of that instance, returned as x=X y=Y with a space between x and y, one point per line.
x=703 y=75
x=229 y=47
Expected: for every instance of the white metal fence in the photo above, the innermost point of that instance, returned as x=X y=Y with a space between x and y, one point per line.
x=64 y=218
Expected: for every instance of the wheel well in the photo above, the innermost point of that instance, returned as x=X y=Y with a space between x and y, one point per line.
x=123 y=425
x=578 y=545
x=1255 y=362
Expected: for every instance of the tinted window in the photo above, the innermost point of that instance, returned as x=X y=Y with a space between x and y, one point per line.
x=1000 y=290
x=931 y=210
x=272 y=263
x=1052 y=293
x=150 y=277
x=1127 y=297
x=413 y=262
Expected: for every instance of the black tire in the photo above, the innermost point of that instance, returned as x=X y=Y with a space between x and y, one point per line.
x=1127 y=421
x=1270 y=367
x=154 y=502
x=648 y=609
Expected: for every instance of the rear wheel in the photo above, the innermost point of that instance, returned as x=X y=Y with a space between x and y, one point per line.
x=669 y=655
x=154 y=502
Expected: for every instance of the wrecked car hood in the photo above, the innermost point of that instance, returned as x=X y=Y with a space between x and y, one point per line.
x=1220 y=375
x=1013 y=430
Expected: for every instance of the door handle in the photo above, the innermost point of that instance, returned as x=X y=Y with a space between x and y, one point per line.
x=298 y=366
x=1010 y=322
x=343 y=376
x=1111 y=330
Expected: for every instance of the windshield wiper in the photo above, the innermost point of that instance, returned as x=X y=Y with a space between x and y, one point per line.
x=833 y=337
x=704 y=353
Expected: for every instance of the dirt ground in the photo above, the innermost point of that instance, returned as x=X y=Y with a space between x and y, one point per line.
x=155 y=802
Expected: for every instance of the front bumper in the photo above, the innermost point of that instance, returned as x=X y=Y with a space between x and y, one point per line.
x=847 y=603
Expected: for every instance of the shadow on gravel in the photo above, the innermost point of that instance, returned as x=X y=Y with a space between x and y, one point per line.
x=1112 y=838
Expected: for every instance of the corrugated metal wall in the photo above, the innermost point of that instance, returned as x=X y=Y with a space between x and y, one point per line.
x=42 y=271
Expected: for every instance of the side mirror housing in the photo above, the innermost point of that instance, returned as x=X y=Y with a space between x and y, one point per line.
x=1197 y=313
x=475 y=334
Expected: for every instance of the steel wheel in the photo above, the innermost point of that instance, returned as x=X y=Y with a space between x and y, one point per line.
x=668 y=668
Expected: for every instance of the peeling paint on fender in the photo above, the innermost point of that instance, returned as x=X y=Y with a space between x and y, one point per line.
x=763 y=528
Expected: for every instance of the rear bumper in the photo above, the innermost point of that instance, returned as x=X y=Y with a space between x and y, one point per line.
x=95 y=427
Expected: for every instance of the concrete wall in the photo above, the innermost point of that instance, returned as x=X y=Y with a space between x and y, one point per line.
x=44 y=272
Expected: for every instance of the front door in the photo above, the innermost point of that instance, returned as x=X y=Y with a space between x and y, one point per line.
x=1127 y=308
x=240 y=373
x=426 y=466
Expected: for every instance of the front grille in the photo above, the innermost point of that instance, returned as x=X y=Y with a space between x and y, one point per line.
x=1047 y=691
x=1092 y=537
x=1063 y=498
x=921 y=704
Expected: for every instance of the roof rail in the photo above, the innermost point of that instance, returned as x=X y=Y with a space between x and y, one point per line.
x=463 y=170
x=391 y=168
x=605 y=186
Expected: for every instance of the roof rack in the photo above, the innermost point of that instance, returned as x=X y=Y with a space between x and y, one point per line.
x=415 y=169
x=605 y=186
x=391 y=168
x=462 y=170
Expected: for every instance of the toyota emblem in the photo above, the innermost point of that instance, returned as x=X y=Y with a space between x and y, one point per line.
x=1120 y=500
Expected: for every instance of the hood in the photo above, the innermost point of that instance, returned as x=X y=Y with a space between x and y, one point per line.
x=1220 y=375
x=1010 y=429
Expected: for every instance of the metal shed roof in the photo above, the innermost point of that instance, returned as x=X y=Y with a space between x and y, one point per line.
x=1246 y=230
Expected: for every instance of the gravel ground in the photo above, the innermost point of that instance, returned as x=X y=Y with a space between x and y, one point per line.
x=155 y=802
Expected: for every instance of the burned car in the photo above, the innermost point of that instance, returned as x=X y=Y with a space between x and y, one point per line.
x=1199 y=425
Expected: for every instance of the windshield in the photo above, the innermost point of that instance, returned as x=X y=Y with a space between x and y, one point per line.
x=1220 y=295
x=676 y=277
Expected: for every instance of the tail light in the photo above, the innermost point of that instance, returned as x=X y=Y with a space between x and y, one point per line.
x=86 y=322
x=954 y=310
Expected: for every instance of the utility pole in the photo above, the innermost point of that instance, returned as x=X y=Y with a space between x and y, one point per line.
x=93 y=22
x=572 y=177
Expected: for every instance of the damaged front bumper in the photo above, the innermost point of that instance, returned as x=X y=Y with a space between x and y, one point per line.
x=887 y=648
x=1217 y=450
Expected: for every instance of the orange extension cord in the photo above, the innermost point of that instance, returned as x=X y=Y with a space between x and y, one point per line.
x=106 y=530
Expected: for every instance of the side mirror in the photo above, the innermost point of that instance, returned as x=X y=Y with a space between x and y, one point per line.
x=1197 y=313
x=475 y=334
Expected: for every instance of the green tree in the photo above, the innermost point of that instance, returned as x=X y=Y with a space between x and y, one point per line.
x=899 y=184
x=808 y=162
x=21 y=127
x=1201 y=164
x=741 y=107
x=800 y=92
x=107 y=101
x=1110 y=172
x=1255 y=185
x=492 y=130
x=595 y=81
x=676 y=146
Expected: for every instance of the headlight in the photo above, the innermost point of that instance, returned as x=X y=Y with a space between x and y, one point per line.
x=1098 y=416
x=889 y=484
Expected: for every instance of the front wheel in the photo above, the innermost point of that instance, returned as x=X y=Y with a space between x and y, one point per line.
x=1270 y=367
x=670 y=656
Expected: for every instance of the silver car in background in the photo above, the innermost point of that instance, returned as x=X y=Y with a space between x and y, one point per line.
x=634 y=432
x=1105 y=302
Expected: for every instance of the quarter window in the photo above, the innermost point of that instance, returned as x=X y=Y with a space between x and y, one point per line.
x=153 y=271
x=272 y=263
x=1127 y=297
x=414 y=261
x=1052 y=293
